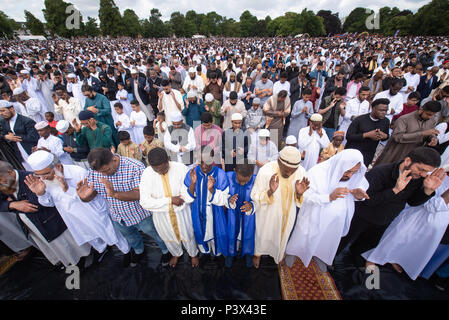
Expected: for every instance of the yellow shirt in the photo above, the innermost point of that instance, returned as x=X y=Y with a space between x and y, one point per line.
x=129 y=151
x=156 y=143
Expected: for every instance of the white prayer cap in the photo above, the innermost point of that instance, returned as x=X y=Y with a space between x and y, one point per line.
x=17 y=91
x=316 y=117
x=192 y=70
x=209 y=97
x=263 y=133
x=5 y=104
x=191 y=94
x=24 y=72
x=322 y=59
x=291 y=140
x=236 y=117
x=134 y=71
x=71 y=76
x=176 y=116
x=40 y=160
x=294 y=62
x=62 y=126
x=41 y=125
x=290 y=156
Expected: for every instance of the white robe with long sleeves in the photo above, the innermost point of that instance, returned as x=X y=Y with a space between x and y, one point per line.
x=140 y=122
x=122 y=97
x=75 y=90
x=153 y=198
x=259 y=152
x=322 y=223
x=88 y=222
x=168 y=105
x=269 y=238
x=190 y=146
x=32 y=87
x=125 y=125
x=413 y=236
x=312 y=145
x=34 y=110
x=55 y=146
x=69 y=110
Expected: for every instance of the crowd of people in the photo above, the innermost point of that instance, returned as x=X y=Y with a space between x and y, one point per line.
x=286 y=147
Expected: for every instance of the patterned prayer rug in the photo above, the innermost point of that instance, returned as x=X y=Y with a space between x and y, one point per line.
x=301 y=283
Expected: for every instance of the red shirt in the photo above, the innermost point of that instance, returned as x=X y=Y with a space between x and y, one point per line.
x=406 y=109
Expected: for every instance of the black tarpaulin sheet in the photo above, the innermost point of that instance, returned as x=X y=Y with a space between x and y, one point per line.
x=351 y=282
x=36 y=278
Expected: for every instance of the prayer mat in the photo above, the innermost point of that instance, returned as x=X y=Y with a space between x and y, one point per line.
x=301 y=283
x=6 y=262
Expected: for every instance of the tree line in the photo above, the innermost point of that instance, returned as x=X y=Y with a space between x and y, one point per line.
x=430 y=19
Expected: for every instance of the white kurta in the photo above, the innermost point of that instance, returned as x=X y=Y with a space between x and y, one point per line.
x=35 y=110
x=32 y=88
x=122 y=97
x=125 y=125
x=55 y=146
x=413 y=236
x=269 y=216
x=197 y=82
x=190 y=146
x=322 y=223
x=268 y=152
x=75 y=89
x=169 y=105
x=69 y=110
x=312 y=145
x=88 y=222
x=396 y=102
x=353 y=108
x=153 y=198
x=140 y=122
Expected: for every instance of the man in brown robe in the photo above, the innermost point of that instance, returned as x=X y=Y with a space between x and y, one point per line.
x=276 y=109
x=411 y=131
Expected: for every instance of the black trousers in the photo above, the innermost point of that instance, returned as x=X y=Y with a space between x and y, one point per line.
x=362 y=236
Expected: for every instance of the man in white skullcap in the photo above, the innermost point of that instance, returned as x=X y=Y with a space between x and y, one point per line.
x=312 y=139
x=55 y=186
x=170 y=100
x=235 y=143
x=65 y=105
x=327 y=209
x=32 y=105
x=277 y=191
x=291 y=141
x=262 y=150
x=74 y=87
x=179 y=140
x=193 y=82
x=33 y=89
x=50 y=143
x=213 y=107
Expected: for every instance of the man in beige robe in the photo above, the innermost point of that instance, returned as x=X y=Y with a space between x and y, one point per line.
x=411 y=131
x=277 y=192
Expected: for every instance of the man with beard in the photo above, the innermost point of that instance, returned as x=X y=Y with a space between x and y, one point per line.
x=154 y=86
x=170 y=101
x=43 y=225
x=391 y=187
x=138 y=86
x=74 y=88
x=55 y=186
x=193 y=82
x=355 y=107
x=277 y=108
x=214 y=86
x=396 y=104
x=19 y=131
x=230 y=107
x=33 y=107
x=100 y=106
x=411 y=131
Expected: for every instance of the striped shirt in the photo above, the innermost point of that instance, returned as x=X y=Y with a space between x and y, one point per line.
x=125 y=179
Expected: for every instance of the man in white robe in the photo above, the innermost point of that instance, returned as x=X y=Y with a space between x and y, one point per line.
x=32 y=105
x=277 y=192
x=74 y=87
x=31 y=86
x=193 y=82
x=262 y=150
x=328 y=207
x=67 y=106
x=170 y=101
x=412 y=238
x=55 y=185
x=162 y=191
x=312 y=139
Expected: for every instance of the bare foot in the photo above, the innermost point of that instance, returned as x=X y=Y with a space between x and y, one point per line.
x=173 y=261
x=397 y=267
x=195 y=262
x=370 y=266
x=256 y=261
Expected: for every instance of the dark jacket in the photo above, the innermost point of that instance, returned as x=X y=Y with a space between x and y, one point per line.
x=96 y=84
x=296 y=89
x=47 y=219
x=330 y=86
x=425 y=87
x=24 y=128
x=81 y=151
x=142 y=83
x=337 y=111
x=384 y=205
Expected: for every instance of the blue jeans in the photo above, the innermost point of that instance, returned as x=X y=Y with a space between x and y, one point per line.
x=134 y=238
x=329 y=132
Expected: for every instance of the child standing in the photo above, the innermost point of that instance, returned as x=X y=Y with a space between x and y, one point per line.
x=122 y=97
x=127 y=148
x=334 y=147
x=138 y=121
x=160 y=126
x=122 y=122
x=150 y=142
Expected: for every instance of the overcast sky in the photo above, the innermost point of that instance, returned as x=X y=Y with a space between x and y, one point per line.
x=229 y=8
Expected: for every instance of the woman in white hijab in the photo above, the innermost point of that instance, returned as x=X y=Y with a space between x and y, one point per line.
x=328 y=208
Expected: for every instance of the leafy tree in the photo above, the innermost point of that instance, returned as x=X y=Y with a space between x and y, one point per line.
x=91 y=28
x=33 y=24
x=177 y=21
x=356 y=21
x=56 y=17
x=110 y=19
x=131 y=23
x=311 y=24
x=248 y=24
x=7 y=26
x=332 y=23
x=230 y=28
x=431 y=19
